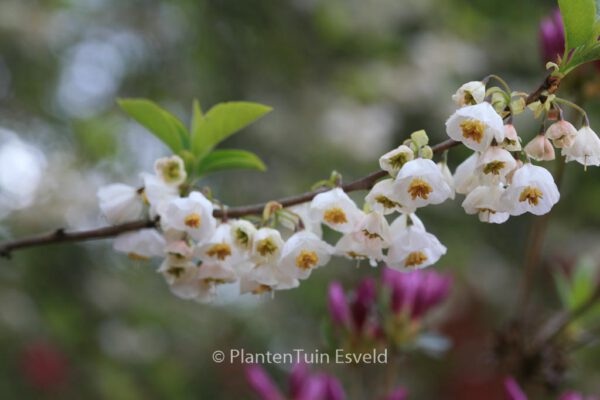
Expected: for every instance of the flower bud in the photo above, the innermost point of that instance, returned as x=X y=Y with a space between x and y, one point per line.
x=552 y=36
x=562 y=134
x=499 y=102
x=364 y=300
x=426 y=152
x=338 y=305
x=540 y=149
x=420 y=138
x=517 y=106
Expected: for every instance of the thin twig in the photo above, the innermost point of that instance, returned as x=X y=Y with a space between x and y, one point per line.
x=62 y=236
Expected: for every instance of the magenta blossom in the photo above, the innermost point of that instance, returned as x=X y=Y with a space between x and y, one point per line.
x=416 y=292
x=338 y=305
x=552 y=37
x=363 y=302
x=354 y=313
x=514 y=392
x=302 y=385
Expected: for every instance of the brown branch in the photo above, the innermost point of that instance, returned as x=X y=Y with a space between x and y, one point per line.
x=61 y=236
x=549 y=85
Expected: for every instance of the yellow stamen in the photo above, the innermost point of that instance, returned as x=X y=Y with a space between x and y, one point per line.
x=532 y=195
x=266 y=247
x=193 y=220
x=171 y=171
x=335 y=216
x=220 y=251
x=307 y=260
x=176 y=271
x=398 y=160
x=493 y=167
x=371 y=235
x=242 y=237
x=386 y=202
x=355 y=255
x=472 y=129
x=419 y=188
x=415 y=258
x=137 y=257
x=262 y=289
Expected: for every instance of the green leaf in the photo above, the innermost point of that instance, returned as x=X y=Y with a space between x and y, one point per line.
x=164 y=125
x=197 y=116
x=222 y=121
x=219 y=160
x=578 y=17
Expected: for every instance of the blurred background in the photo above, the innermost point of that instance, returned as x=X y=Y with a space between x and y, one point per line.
x=348 y=80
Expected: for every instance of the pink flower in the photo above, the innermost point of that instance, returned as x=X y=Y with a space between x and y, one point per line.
x=416 y=292
x=552 y=37
x=338 y=305
x=513 y=390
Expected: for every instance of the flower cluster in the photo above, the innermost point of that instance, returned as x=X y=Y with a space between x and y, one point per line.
x=499 y=180
x=363 y=319
x=496 y=181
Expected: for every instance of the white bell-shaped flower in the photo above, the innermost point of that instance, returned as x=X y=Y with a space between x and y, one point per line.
x=419 y=183
x=220 y=248
x=393 y=161
x=120 y=203
x=171 y=170
x=192 y=214
x=383 y=197
x=511 y=142
x=267 y=246
x=476 y=126
x=185 y=283
x=532 y=190
x=218 y=273
x=303 y=252
x=585 y=149
x=485 y=202
x=495 y=163
x=335 y=209
x=368 y=241
x=469 y=93
x=302 y=211
x=141 y=245
x=447 y=174
x=540 y=149
x=562 y=133
x=243 y=233
x=466 y=176
x=412 y=246
x=157 y=193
